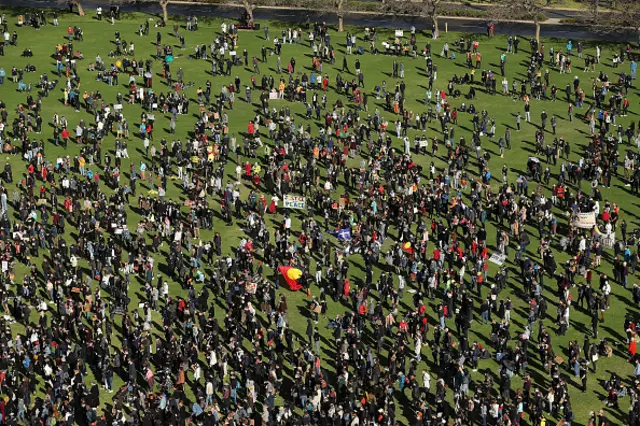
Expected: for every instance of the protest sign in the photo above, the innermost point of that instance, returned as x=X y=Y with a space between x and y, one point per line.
x=498 y=258
x=584 y=220
x=294 y=202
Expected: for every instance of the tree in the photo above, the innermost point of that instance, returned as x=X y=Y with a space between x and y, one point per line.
x=339 y=4
x=595 y=9
x=528 y=10
x=620 y=13
x=428 y=8
x=248 y=9
x=431 y=10
x=165 y=13
x=77 y=4
x=595 y=18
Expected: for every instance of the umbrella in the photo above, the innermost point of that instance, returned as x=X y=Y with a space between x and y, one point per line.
x=168 y=59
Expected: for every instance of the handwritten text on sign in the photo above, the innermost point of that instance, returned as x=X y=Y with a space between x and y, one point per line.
x=584 y=220
x=294 y=202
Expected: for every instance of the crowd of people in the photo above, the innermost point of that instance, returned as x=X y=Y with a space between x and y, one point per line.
x=391 y=257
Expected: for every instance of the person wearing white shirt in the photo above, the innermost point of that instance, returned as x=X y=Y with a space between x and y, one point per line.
x=608 y=228
x=165 y=290
x=197 y=373
x=47 y=370
x=426 y=381
x=606 y=289
x=418 y=349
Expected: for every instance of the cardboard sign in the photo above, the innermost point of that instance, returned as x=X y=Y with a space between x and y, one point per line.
x=584 y=220
x=294 y=202
x=399 y=33
x=607 y=241
x=498 y=258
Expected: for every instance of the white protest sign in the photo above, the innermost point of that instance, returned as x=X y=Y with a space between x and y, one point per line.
x=498 y=258
x=584 y=220
x=294 y=202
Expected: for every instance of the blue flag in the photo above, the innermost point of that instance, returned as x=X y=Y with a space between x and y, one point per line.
x=344 y=234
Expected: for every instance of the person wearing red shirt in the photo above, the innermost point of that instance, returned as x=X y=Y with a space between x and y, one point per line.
x=347 y=288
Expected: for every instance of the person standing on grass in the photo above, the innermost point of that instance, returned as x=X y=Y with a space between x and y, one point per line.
x=379 y=323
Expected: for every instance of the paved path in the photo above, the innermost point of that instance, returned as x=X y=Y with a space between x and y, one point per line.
x=551 y=28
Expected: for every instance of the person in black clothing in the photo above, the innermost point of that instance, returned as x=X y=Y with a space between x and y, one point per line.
x=583 y=376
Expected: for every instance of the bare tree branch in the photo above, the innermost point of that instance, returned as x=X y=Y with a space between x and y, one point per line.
x=428 y=8
x=618 y=13
x=528 y=10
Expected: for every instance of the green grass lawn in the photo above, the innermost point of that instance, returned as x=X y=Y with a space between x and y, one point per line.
x=98 y=37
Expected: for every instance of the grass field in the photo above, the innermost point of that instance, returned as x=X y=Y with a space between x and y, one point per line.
x=98 y=39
